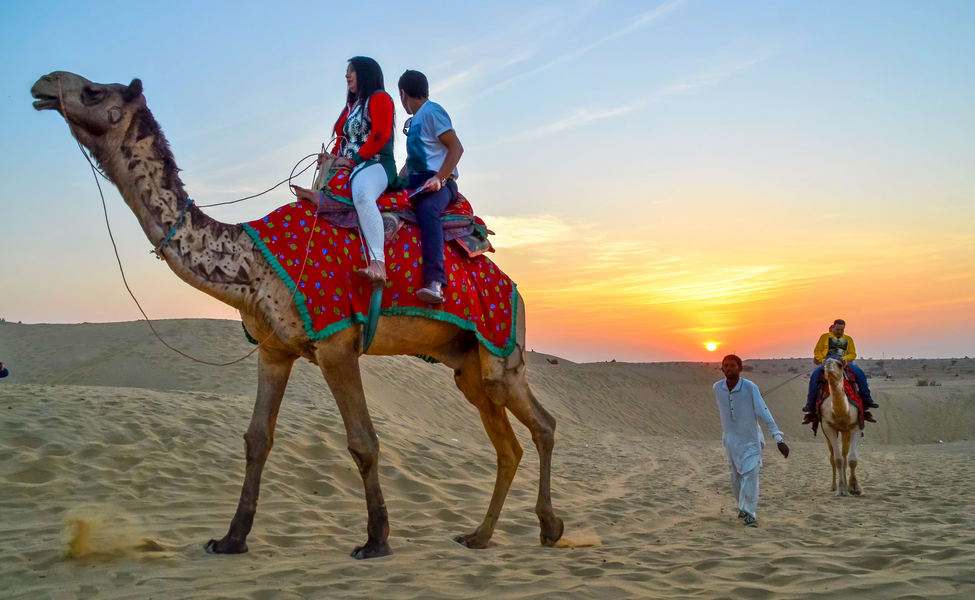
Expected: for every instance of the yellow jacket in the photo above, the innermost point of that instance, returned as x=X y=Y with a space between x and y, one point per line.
x=842 y=344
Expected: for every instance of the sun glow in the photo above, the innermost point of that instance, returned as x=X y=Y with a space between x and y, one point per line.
x=711 y=346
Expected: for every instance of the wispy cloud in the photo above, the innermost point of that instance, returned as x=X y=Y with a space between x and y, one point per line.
x=690 y=85
x=642 y=20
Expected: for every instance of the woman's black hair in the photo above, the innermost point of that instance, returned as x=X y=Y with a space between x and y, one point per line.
x=368 y=79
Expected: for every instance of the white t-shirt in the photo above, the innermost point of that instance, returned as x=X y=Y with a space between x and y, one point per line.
x=424 y=150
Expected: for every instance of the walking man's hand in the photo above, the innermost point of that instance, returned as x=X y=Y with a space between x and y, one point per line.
x=784 y=449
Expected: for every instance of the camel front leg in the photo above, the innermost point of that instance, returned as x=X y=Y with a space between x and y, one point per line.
x=273 y=371
x=344 y=379
x=842 y=448
x=506 y=445
x=832 y=459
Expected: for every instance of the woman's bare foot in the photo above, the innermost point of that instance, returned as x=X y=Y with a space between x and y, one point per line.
x=375 y=272
x=305 y=193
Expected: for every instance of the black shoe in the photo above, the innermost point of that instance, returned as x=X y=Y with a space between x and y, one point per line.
x=750 y=521
x=869 y=403
x=868 y=417
x=809 y=418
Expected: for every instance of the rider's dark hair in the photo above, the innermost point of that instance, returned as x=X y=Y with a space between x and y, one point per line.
x=368 y=79
x=839 y=322
x=414 y=84
x=733 y=357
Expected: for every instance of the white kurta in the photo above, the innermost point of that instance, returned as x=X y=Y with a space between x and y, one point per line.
x=741 y=410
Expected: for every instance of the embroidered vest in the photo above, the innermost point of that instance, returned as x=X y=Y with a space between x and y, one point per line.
x=356 y=130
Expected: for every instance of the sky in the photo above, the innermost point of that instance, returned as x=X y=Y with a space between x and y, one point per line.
x=659 y=174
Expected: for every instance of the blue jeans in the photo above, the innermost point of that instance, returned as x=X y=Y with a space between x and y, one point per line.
x=429 y=209
x=816 y=378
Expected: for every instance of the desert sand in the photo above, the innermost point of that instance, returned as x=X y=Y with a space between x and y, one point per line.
x=119 y=459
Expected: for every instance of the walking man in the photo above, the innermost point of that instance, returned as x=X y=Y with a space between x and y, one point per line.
x=742 y=408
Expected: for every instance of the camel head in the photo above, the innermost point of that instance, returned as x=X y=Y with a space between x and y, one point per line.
x=99 y=114
x=834 y=370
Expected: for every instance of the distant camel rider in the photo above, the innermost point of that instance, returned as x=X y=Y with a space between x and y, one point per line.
x=836 y=344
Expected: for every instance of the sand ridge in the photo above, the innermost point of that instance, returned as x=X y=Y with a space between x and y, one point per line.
x=100 y=426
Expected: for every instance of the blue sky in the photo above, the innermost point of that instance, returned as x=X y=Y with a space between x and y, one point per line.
x=663 y=125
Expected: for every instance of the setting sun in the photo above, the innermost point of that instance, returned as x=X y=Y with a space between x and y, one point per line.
x=710 y=346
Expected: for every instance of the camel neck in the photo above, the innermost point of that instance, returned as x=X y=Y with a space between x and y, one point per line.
x=837 y=397
x=213 y=257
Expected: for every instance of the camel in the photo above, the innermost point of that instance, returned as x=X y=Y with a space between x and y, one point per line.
x=841 y=430
x=114 y=123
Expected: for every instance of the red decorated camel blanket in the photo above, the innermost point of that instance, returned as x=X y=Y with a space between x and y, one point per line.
x=330 y=296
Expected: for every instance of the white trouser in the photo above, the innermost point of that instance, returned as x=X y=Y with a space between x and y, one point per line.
x=744 y=487
x=367 y=185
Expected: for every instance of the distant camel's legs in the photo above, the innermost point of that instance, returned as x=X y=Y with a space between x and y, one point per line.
x=341 y=371
x=839 y=458
x=273 y=371
x=506 y=383
x=854 y=457
x=509 y=452
x=832 y=459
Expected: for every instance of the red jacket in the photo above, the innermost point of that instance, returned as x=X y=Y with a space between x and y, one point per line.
x=381 y=117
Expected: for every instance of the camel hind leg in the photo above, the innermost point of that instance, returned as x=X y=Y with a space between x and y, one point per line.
x=509 y=452
x=506 y=385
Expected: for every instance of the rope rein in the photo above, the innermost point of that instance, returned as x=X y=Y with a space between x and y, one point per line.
x=95 y=171
x=796 y=376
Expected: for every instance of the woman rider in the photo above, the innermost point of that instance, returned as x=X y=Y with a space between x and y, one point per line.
x=364 y=132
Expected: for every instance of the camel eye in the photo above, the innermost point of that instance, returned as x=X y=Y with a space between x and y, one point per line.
x=91 y=96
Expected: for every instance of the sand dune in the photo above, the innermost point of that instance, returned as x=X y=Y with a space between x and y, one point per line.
x=119 y=459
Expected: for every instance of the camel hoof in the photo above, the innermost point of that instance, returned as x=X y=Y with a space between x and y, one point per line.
x=472 y=541
x=856 y=492
x=371 y=550
x=841 y=493
x=225 y=546
x=549 y=540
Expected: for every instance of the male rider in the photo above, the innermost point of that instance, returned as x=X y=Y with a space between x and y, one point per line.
x=836 y=344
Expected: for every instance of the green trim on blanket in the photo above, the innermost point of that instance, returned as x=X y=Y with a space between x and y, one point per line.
x=358 y=318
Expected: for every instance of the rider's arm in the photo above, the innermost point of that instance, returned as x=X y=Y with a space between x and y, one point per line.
x=454 y=150
x=822 y=347
x=851 y=350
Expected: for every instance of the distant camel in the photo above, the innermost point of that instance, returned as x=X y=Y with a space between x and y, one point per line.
x=220 y=259
x=841 y=429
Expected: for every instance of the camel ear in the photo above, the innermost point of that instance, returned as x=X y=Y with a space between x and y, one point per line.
x=134 y=90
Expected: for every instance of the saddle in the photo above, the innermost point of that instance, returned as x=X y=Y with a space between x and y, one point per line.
x=460 y=224
x=852 y=392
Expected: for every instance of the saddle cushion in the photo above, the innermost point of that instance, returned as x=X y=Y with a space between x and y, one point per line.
x=459 y=222
x=330 y=296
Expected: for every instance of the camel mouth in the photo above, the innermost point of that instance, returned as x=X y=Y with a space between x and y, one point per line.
x=45 y=101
